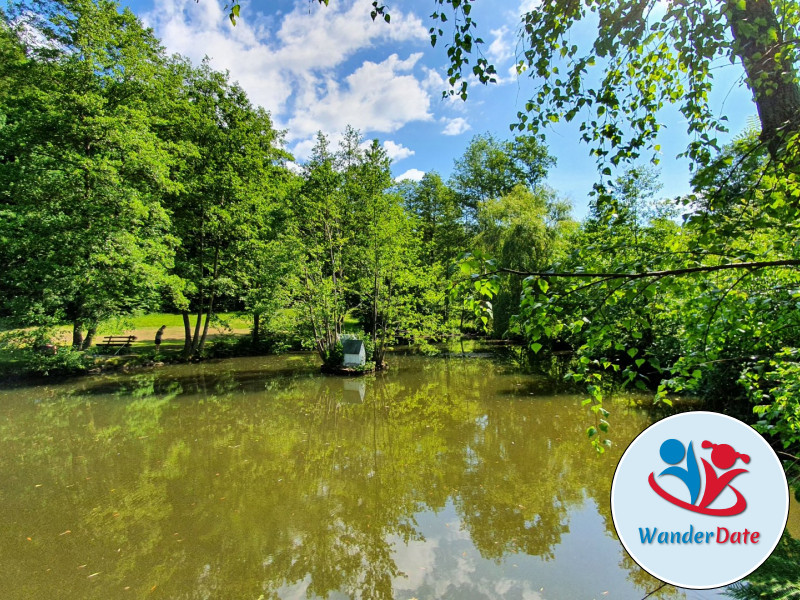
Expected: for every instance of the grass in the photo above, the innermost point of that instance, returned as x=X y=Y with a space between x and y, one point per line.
x=351 y=324
x=144 y=327
x=156 y=320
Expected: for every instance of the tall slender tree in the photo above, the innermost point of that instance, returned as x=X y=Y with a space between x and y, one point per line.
x=229 y=186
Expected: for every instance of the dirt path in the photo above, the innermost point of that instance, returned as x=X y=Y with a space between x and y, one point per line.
x=148 y=334
x=176 y=333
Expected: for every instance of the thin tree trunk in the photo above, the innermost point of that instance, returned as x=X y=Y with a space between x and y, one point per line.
x=334 y=316
x=87 y=342
x=255 y=327
x=201 y=291
x=317 y=340
x=202 y=343
x=382 y=353
x=375 y=311
x=215 y=274
x=187 y=334
x=77 y=335
x=196 y=337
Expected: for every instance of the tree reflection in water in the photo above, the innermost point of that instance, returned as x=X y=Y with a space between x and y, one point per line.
x=259 y=478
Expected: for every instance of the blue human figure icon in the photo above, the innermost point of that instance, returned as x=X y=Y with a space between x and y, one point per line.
x=672 y=452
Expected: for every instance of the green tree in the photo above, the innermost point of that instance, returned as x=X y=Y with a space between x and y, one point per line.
x=399 y=290
x=383 y=219
x=82 y=169
x=648 y=56
x=230 y=182
x=438 y=215
x=490 y=168
x=270 y=265
x=437 y=219
x=319 y=231
x=523 y=229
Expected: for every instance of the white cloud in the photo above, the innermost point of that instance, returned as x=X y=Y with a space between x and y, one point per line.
x=500 y=48
x=526 y=6
x=411 y=174
x=396 y=151
x=434 y=82
x=285 y=60
x=294 y=167
x=456 y=126
x=302 y=150
x=379 y=97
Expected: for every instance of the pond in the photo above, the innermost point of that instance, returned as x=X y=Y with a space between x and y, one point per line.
x=260 y=478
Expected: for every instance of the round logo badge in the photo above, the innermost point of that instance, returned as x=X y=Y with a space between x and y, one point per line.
x=699 y=500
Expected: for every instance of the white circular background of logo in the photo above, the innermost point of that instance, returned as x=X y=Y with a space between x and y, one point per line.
x=635 y=505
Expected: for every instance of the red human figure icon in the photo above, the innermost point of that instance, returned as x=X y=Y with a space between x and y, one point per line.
x=724 y=457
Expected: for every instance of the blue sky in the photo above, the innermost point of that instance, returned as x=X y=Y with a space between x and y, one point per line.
x=322 y=68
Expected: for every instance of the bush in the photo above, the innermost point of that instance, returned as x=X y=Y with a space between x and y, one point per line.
x=773 y=385
x=33 y=352
x=229 y=346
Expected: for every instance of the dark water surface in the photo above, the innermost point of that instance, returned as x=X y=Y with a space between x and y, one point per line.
x=260 y=478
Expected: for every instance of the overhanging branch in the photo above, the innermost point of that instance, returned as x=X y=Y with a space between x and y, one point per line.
x=645 y=274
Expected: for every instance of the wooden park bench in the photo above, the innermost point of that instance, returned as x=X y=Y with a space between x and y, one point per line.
x=116 y=341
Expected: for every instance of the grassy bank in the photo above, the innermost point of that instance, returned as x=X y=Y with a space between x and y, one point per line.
x=20 y=358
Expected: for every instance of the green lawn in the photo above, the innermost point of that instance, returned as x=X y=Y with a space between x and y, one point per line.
x=156 y=320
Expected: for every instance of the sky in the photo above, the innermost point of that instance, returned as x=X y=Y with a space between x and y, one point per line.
x=318 y=68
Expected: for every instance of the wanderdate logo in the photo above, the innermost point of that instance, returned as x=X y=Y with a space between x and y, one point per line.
x=723 y=457
x=699 y=500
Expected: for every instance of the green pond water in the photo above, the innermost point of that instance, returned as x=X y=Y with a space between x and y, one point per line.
x=260 y=478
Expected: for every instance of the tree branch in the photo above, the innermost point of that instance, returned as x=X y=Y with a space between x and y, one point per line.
x=664 y=584
x=645 y=274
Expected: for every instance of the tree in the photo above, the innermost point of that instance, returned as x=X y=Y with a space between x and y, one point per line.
x=490 y=168
x=357 y=251
x=231 y=178
x=438 y=215
x=395 y=286
x=319 y=230
x=383 y=218
x=523 y=229
x=270 y=265
x=81 y=167
x=649 y=55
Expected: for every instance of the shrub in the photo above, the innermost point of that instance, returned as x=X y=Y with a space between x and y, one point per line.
x=33 y=352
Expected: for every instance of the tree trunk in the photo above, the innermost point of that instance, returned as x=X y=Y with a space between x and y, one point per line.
x=771 y=76
x=256 y=318
x=77 y=335
x=187 y=334
x=196 y=337
x=202 y=343
x=87 y=343
x=215 y=274
x=375 y=312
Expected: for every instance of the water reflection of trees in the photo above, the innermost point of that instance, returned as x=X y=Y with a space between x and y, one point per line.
x=198 y=487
